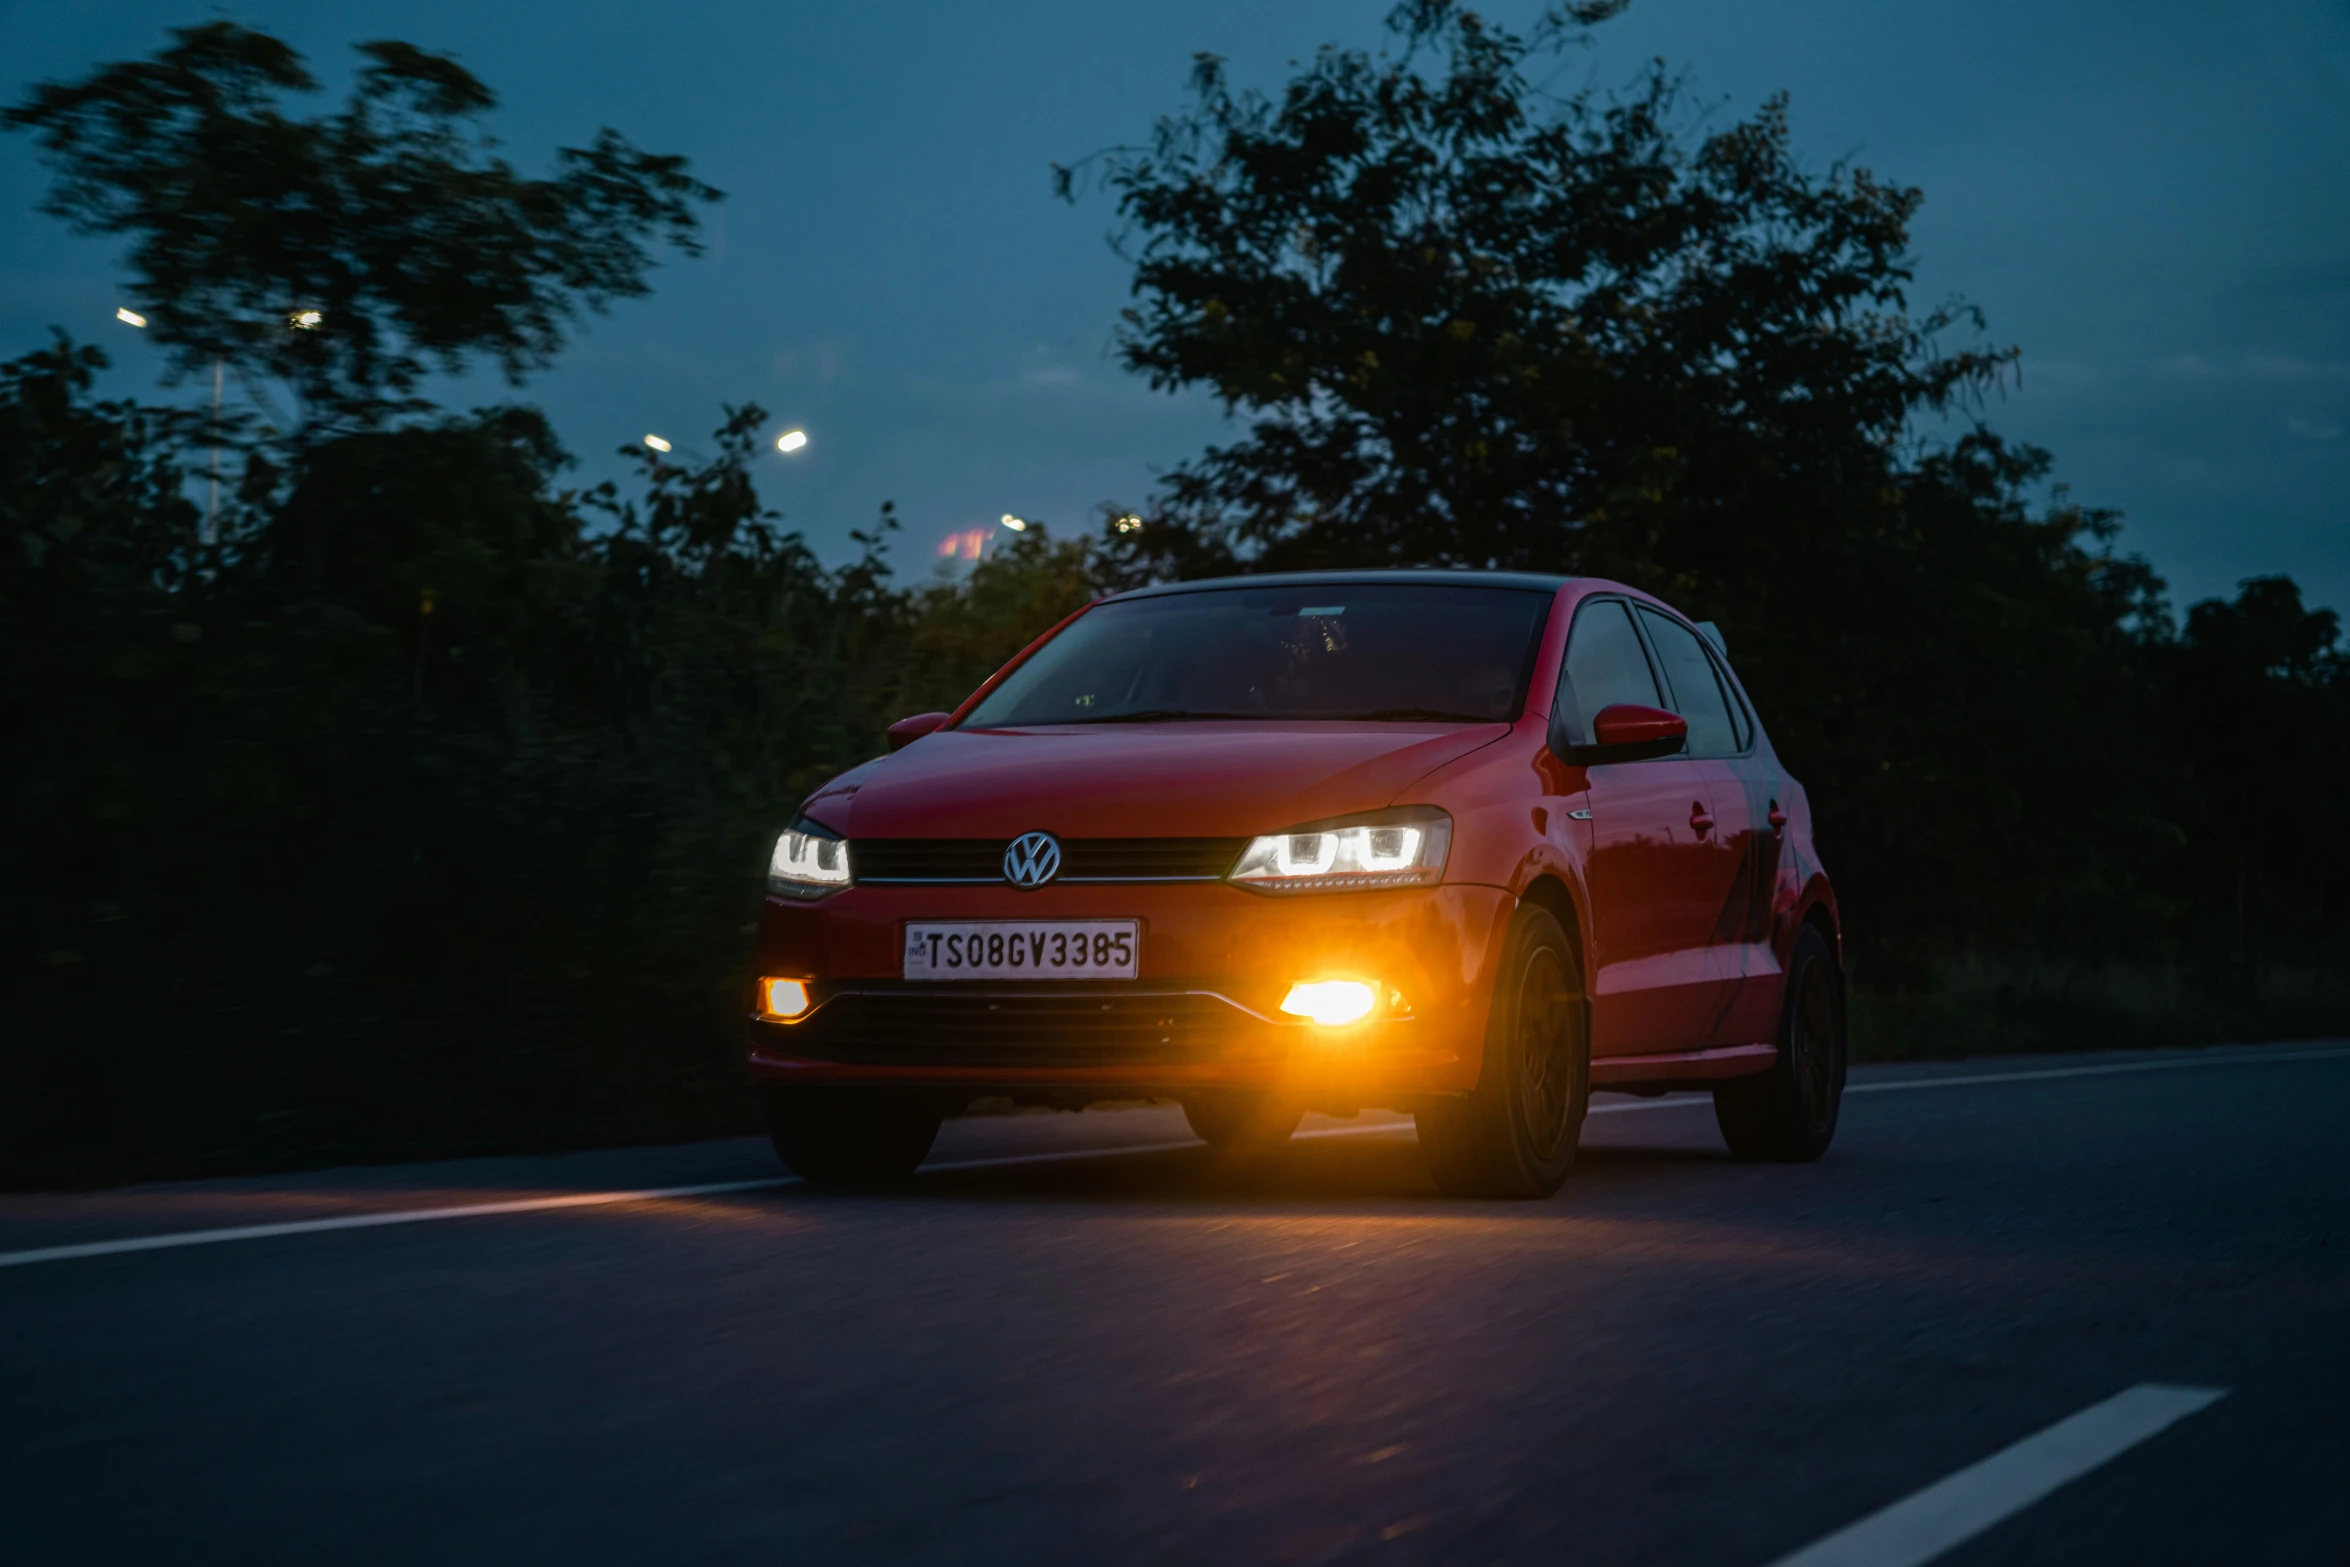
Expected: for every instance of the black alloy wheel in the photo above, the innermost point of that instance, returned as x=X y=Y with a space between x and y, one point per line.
x=1515 y=1134
x=851 y=1136
x=1788 y=1114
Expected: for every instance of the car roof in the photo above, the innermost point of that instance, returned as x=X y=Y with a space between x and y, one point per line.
x=1523 y=580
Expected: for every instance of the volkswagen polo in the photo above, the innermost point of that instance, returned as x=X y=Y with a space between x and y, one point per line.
x=1465 y=845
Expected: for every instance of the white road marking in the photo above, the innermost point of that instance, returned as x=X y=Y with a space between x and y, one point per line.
x=368 y=1221
x=1951 y=1511
x=2111 y=1069
x=483 y=1210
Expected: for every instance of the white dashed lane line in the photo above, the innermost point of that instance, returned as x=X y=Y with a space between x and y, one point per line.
x=484 y=1210
x=1952 y=1511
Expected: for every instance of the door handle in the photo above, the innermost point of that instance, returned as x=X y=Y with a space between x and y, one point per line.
x=1777 y=818
x=1701 y=818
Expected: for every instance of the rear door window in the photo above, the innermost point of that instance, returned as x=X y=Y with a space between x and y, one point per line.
x=1697 y=693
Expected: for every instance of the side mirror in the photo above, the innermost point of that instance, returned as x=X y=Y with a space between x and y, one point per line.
x=1629 y=732
x=906 y=731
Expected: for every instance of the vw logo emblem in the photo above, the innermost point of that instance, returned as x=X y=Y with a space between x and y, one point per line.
x=1033 y=859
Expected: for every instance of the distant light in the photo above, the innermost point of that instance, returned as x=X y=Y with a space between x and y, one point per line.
x=656 y=443
x=791 y=440
x=306 y=320
x=1129 y=523
x=1016 y=524
x=130 y=317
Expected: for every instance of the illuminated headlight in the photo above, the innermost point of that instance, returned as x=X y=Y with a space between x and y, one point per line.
x=1391 y=849
x=809 y=862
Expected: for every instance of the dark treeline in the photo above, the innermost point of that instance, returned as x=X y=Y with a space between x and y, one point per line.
x=407 y=800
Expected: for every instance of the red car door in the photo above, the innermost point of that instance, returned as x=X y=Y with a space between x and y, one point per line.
x=1726 y=833
x=1653 y=863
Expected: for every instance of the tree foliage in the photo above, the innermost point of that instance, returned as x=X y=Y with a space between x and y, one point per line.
x=1462 y=321
x=394 y=218
x=1470 y=325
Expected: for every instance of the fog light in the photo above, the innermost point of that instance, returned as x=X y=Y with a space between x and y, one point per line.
x=1331 y=1002
x=783 y=998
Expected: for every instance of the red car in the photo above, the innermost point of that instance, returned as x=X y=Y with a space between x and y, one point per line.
x=1463 y=844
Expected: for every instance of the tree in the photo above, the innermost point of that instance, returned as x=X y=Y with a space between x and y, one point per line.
x=345 y=254
x=2259 y=710
x=1469 y=324
x=1465 y=322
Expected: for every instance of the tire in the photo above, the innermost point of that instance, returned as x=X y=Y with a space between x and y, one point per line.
x=1241 y=1123
x=850 y=1137
x=1788 y=1114
x=1515 y=1134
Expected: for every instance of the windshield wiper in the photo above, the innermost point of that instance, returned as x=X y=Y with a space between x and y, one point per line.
x=1150 y=715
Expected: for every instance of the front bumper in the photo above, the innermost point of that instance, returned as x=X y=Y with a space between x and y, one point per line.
x=1203 y=1013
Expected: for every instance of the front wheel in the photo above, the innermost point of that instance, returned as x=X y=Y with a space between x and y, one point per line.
x=1515 y=1135
x=850 y=1136
x=1788 y=1114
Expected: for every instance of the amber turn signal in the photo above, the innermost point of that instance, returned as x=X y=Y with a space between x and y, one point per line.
x=783 y=999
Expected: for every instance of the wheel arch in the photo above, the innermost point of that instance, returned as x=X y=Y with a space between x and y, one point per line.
x=1549 y=893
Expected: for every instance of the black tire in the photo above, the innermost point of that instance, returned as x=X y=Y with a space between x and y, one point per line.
x=850 y=1136
x=1788 y=1114
x=1241 y=1123
x=1515 y=1135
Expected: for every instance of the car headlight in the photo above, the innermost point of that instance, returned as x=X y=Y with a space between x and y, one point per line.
x=1387 y=849
x=810 y=861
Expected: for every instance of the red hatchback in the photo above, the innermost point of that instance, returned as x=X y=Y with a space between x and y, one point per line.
x=1462 y=844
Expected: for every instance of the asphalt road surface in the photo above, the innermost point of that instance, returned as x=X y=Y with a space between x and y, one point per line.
x=2090 y=1309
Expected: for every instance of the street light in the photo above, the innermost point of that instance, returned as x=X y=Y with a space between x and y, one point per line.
x=791 y=440
x=656 y=443
x=306 y=320
x=209 y=534
x=1016 y=524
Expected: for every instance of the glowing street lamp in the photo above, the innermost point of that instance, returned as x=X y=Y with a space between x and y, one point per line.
x=306 y=320
x=1129 y=523
x=1016 y=524
x=791 y=440
x=129 y=317
x=656 y=443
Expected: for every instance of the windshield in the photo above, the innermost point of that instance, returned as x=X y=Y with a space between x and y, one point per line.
x=1369 y=651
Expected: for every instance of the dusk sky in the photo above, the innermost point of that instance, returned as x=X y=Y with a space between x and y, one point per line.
x=2152 y=200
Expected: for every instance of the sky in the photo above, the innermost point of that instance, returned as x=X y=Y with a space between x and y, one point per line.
x=2150 y=199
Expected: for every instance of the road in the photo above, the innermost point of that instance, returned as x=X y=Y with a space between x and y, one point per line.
x=1062 y=1352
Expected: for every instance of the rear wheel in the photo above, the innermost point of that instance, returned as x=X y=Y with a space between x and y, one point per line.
x=1788 y=1114
x=849 y=1135
x=1239 y=1122
x=1515 y=1135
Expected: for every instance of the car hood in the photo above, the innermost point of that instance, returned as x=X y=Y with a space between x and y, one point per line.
x=1164 y=780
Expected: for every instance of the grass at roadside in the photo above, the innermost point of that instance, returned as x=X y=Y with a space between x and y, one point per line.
x=2025 y=1006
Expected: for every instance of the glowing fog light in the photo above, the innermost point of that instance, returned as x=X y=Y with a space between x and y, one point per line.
x=1333 y=1003
x=783 y=998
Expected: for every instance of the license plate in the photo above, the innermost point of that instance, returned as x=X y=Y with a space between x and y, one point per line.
x=1023 y=949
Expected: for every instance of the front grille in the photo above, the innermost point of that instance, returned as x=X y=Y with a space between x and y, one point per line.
x=1082 y=859
x=1035 y=1029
